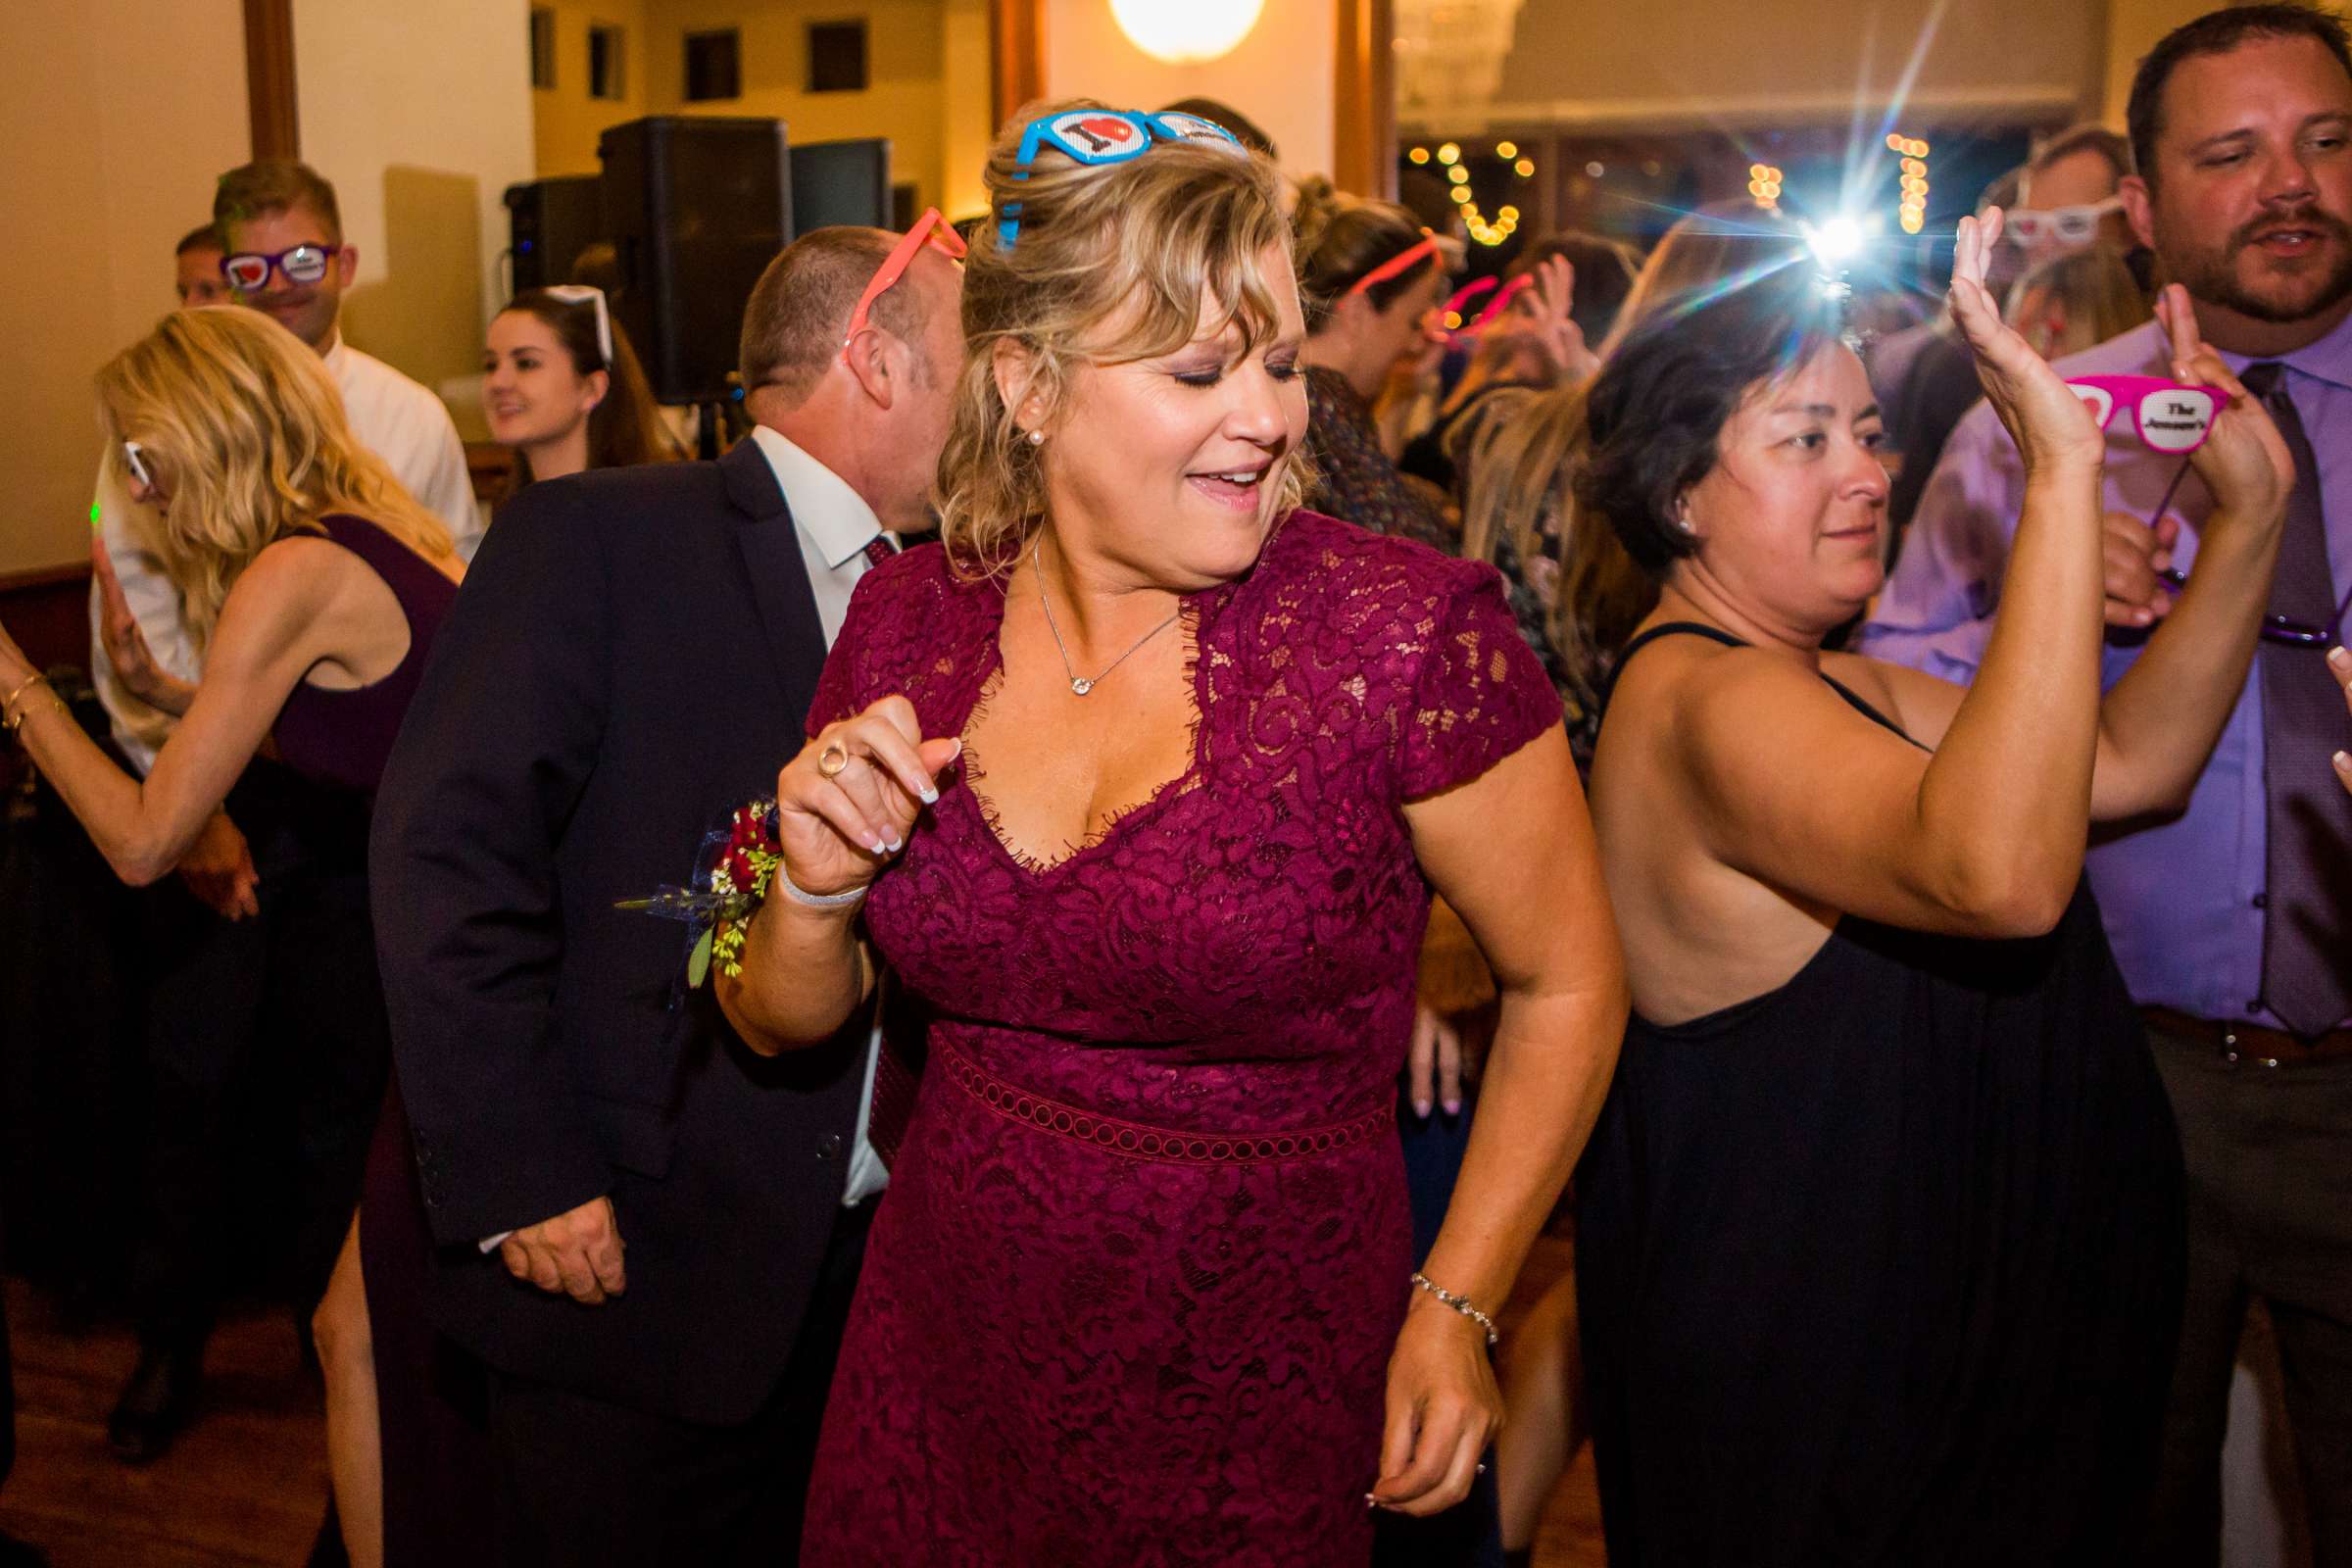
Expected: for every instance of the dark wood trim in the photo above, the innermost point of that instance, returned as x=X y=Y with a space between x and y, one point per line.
x=35 y=578
x=1017 y=47
x=1363 y=131
x=47 y=609
x=269 y=78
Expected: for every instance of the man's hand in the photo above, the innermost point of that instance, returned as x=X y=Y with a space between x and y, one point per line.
x=219 y=870
x=2138 y=556
x=576 y=1253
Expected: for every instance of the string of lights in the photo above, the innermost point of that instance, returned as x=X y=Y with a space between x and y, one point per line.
x=1505 y=221
x=1912 y=211
x=1765 y=182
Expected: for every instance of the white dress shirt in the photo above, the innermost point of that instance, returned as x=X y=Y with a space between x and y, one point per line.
x=393 y=416
x=835 y=525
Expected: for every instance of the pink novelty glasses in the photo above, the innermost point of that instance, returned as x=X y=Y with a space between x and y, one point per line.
x=2167 y=415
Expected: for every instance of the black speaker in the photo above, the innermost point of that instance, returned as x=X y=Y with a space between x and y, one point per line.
x=841 y=183
x=551 y=221
x=696 y=209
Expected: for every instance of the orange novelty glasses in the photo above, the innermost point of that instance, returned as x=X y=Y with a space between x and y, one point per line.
x=931 y=229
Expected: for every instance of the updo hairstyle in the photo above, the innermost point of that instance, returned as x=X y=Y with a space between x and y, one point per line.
x=1341 y=239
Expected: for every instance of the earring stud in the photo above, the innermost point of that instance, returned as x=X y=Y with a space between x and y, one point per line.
x=1037 y=438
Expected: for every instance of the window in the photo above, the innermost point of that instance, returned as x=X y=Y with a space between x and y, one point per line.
x=714 y=65
x=543 y=47
x=837 y=56
x=606 y=77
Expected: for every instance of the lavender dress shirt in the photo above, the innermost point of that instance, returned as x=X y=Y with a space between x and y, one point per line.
x=2180 y=895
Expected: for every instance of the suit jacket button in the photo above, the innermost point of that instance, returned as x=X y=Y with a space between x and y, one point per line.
x=829 y=1147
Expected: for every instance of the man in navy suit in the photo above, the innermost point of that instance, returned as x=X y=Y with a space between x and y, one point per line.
x=632 y=656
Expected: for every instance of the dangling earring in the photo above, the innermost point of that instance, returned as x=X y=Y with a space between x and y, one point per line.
x=1682 y=517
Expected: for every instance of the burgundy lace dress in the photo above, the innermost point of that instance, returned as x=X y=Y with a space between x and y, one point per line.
x=1131 y=1295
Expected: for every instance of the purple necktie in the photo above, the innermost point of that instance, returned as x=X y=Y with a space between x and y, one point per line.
x=2306 y=962
x=895 y=1070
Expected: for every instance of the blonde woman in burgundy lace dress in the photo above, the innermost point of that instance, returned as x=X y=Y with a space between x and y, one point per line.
x=1142 y=781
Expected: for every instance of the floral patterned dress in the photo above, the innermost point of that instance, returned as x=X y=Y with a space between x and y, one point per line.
x=1355 y=477
x=1131 y=1295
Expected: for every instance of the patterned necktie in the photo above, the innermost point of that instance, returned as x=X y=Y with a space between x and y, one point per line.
x=899 y=1065
x=2306 y=964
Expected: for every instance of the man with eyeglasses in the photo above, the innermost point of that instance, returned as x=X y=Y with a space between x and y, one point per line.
x=2067 y=196
x=274 y=245
x=633 y=658
x=2232 y=918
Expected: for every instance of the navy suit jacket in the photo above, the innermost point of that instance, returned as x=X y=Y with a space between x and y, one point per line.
x=632 y=655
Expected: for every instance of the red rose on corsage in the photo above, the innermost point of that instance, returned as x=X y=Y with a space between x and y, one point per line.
x=738 y=868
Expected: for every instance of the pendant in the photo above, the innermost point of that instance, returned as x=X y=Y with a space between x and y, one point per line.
x=1081 y=685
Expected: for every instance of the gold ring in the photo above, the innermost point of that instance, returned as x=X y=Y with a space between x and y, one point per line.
x=832 y=760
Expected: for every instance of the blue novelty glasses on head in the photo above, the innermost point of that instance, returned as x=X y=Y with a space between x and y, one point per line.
x=1103 y=136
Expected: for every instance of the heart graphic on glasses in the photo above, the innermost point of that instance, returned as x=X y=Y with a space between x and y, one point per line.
x=2167 y=415
x=1108 y=132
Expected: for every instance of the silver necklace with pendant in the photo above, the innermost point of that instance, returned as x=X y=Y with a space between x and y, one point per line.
x=1082 y=684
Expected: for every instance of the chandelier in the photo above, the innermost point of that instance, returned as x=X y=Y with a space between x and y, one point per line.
x=1450 y=54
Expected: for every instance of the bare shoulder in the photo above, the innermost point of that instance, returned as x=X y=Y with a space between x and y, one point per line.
x=288 y=593
x=1921 y=704
x=298 y=574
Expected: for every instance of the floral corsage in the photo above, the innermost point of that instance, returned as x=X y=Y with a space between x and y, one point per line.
x=739 y=865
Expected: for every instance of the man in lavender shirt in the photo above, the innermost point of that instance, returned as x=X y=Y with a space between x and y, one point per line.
x=2232 y=921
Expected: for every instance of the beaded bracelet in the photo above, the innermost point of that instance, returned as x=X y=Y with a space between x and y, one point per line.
x=816 y=901
x=1462 y=1305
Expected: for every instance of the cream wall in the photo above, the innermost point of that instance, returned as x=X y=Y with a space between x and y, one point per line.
x=1280 y=76
x=906 y=41
x=564 y=120
x=969 y=124
x=419 y=111
x=2132 y=29
x=110 y=160
x=927 y=61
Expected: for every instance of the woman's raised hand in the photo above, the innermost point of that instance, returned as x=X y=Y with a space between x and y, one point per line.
x=846 y=804
x=1547 y=308
x=2041 y=413
x=120 y=633
x=2244 y=461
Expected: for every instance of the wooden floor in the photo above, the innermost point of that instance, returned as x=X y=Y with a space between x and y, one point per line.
x=246 y=1485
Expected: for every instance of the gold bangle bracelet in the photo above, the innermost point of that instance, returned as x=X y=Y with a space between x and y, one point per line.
x=9 y=702
x=11 y=717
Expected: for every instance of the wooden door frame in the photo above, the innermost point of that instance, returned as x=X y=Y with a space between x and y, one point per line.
x=1363 y=129
x=1017 y=47
x=269 y=78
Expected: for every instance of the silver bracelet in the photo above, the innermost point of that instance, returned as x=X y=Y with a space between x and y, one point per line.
x=1462 y=1305
x=816 y=901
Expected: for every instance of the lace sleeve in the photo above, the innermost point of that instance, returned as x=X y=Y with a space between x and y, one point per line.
x=1481 y=693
